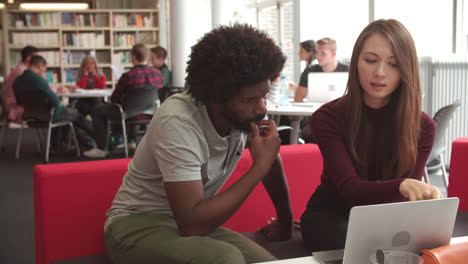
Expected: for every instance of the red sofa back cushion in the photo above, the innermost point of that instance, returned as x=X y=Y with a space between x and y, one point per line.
x=458 y=176
x=70 y=200
x=303 y=167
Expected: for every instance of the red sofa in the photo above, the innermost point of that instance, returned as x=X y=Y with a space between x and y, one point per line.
x=458 y=175
x=70 y=200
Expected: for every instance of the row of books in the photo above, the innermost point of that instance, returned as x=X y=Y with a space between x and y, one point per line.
x=85 y=20
x=52 y=57
x=36 y=38
x=75 y=57
x=83 y=40
x=125 y=39
x=132 y=20
x=71 y=75
x=35 y=20
x=52 y=77
x=121 y=57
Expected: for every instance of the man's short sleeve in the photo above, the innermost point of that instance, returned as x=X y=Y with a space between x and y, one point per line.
x=303 y=79
x=179 y=149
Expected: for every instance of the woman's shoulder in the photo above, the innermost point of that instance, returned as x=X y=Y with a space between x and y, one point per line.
x=327 y=112
x=427 y=123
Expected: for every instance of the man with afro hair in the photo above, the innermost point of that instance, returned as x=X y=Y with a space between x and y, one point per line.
x=168 y=209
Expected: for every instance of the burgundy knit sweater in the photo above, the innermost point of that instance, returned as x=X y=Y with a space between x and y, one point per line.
x=339 y=173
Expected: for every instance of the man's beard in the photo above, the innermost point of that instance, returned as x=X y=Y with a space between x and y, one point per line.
x=235 y=120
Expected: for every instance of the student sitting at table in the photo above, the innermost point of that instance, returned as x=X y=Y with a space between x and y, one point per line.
x=327 y=62
x=89 y=77
x=375 y=140
x=158 y=58
x=140 y=76
x=33 y=80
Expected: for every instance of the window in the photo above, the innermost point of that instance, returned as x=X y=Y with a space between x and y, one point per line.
x=429 y=22
x=338 y=19
x=276 y=18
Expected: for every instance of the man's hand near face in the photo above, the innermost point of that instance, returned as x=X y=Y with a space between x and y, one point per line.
x=264 y=143
x=264 y=148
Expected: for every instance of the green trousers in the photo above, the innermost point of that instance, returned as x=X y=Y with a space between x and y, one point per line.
x=153 y=239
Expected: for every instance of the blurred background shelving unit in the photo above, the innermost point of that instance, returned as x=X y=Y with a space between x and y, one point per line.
x=66 y=37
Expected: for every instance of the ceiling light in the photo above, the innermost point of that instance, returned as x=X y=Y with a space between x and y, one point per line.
x=54 y=6
x=2 y=5
x=11 y=1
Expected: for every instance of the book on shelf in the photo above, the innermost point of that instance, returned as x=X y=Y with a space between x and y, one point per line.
x=74 y=57
x=15 y=58
x=35 y=38
x=121 y=57
x=132 y=20
x=52 y=57
x=52 y=77
x=125 y=39
x=67 y=19
x=34 y=20
x=83 y=39
x=71 y=75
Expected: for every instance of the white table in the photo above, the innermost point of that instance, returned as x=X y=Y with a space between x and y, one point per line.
x=312 y=260
x=295 y=111
x=88 y=93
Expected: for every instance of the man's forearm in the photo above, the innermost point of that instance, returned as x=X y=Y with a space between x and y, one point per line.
x=300 y=93
x=277 y=187
x=210 y=214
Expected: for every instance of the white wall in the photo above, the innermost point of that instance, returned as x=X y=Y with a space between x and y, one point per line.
x=429 y=22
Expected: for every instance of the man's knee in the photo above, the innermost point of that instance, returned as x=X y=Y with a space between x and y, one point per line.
x=223 y=253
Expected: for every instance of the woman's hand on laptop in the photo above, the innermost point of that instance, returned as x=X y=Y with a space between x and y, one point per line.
x=416 y=190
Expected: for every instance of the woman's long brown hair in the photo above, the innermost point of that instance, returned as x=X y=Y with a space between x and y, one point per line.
x=406 y=101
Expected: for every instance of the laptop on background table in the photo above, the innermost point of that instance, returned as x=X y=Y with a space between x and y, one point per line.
x=326 y=86
x=405 y=226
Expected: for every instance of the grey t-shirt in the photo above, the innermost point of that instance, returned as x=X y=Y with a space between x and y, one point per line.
x=180 y=144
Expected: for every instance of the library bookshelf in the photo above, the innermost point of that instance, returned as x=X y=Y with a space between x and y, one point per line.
x=64 y=38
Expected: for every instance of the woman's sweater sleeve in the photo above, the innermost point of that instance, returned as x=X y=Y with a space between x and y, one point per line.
x=82 y=83
x=100 y=81
x=426 y=141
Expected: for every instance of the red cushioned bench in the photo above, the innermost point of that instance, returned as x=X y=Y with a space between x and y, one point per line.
x=70 y=201
x=458 y=175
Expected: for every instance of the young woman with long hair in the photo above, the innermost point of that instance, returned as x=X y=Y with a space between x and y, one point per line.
x=375 y=140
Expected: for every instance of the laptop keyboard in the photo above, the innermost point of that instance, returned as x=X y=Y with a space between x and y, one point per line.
x=336 y=261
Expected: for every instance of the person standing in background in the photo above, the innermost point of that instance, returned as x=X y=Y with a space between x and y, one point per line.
x=89 y=77
x=158 y=57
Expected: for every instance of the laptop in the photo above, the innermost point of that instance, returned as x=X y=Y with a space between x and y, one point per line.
x=326 y=86
x=405 y=226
